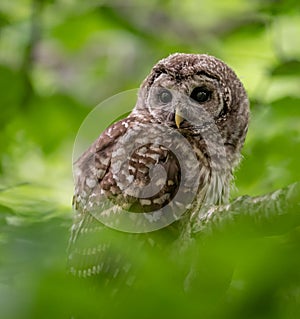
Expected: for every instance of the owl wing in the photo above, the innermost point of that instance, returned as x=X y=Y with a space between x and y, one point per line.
x=95 y=249
x=88 y=244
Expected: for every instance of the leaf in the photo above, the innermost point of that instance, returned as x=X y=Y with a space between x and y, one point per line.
x=287 y=68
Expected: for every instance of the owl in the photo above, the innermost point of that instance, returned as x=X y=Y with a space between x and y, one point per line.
x=153 y=171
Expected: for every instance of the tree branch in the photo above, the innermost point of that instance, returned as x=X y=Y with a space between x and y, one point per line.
x=277 y=211
x=28 y=56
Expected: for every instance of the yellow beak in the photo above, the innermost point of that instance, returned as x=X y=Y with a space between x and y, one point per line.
x=178 y=119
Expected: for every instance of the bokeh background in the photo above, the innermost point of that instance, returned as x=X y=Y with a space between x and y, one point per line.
x=58 y=60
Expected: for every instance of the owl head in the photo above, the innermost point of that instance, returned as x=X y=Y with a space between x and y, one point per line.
x=193 y=93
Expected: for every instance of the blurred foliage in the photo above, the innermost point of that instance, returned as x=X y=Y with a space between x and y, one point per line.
x=60 y=58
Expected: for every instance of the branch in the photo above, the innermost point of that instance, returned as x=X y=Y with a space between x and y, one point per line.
x=28 y=56
x=277 y=211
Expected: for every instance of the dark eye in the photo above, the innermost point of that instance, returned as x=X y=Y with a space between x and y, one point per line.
x=165 y=96
x=201 y=94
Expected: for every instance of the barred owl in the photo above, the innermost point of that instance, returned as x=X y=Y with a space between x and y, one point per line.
x=156 y=169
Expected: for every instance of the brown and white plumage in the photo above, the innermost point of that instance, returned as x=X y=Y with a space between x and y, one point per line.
x=171 y=156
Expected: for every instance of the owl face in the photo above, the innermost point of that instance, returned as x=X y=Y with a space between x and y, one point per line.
x=194 y=93
x=186 y=104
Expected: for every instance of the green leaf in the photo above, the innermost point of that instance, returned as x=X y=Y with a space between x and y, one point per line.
x=287 y=68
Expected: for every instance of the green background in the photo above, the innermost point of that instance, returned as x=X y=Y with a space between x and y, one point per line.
x=58 y=60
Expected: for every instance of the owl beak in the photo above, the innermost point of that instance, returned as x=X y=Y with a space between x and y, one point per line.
x=178 y=119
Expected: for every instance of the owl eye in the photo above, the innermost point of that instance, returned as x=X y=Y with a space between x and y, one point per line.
x=201 y=94
x=165 y=96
